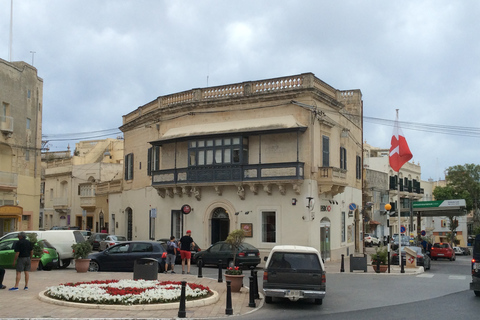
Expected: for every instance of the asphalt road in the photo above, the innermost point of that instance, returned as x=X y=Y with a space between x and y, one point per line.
x=442 y=293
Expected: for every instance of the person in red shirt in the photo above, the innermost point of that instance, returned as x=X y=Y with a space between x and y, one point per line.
x=186 y=242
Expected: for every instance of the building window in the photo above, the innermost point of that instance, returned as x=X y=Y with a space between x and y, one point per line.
x=28 y=123
x=358 y=167
x=4 y=112
x=129 y=166
x=325 y=151
x=343 y=158
x=269 y=226
x=153 y=159
x=218 y=151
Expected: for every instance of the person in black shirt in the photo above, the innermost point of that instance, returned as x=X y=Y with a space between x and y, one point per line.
x=186 y=242
x=23 y=254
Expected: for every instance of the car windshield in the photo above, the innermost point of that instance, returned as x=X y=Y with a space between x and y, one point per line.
x=119 y=238
x=247 y=246
x=292 y=260
x=441 y=245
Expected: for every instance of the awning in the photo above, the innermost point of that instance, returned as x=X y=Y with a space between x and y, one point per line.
x=250 y=126
x=11 y=212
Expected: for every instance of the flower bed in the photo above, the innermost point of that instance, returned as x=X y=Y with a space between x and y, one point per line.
x=126 y=292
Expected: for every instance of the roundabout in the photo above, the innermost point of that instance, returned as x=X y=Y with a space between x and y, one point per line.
x=128 y=295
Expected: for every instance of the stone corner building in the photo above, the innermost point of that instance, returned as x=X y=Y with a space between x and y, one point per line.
x=280 y=158
x=21 y=99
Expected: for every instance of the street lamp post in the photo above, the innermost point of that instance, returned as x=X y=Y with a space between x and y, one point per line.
x=388 y=207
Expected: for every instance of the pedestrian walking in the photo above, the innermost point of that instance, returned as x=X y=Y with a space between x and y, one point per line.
x=171 y=254
x=23 y=254
x=2 y=275
x=186 y=243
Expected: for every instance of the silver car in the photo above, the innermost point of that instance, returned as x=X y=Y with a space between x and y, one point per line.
x=111 y=240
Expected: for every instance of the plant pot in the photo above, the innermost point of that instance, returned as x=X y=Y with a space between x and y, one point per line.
x=34 y=262
x=236 y=281
x=82 y=265
x=383 y=268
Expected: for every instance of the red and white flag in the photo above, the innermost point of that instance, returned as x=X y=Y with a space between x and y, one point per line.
x=399 y=151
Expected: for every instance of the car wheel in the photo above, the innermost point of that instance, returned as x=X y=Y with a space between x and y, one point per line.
x=477 y=293
x=318 y=301
x=270 y=299
x=378 y=244
x=40 y=266
x=94 y=266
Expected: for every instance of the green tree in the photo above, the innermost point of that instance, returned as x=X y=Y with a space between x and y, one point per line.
x=463 y=182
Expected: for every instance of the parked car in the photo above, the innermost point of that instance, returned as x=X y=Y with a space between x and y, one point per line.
x=405 y=241
x=178 y=259
x=121 y=257
x=247 y=255
x=423 y=260
x=294 y=272
x=61 y=240
x=95 y=239
x=371 y=240
x=48 y=261
x=459 y=251
x=466 y=251
x=110 y=241
x=475 y=284
x=442 y=250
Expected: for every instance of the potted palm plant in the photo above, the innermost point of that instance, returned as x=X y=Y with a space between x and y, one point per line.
x=37 y=248
x=234 y=273
x=81 y=250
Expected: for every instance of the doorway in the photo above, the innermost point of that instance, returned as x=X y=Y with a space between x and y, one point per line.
x=220 y=225
x=129 y=223
x=325 y=238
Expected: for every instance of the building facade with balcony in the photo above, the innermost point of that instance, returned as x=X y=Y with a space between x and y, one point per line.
x=70 y=198
x=21 y=98
x=279 y=158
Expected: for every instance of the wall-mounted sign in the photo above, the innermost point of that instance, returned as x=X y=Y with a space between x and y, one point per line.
x=186 y=209
x=247 y=228
x=352 y=206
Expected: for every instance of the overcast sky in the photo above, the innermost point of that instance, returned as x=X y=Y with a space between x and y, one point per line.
x=106 y=58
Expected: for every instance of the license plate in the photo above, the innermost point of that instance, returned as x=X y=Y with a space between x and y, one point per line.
x=440 y=254
x=476 y=266
x=251 y=254
x=294 y=293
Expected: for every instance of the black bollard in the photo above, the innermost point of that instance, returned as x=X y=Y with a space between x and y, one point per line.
x=181 y=311
x=228 y=309
x=402 y=269
x=255 y=281
x=378 y=263
x=342 y=265
x=251 y=303
x=220 y=276
x=200 y=265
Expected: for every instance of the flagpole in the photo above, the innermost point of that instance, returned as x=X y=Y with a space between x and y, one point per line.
x=399 y=213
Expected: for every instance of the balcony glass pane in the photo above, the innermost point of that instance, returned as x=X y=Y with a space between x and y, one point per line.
x=227 y=158
x=209 y=157
x=218 y=156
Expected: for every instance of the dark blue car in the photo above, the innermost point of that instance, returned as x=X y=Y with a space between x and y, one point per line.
x=122 y=257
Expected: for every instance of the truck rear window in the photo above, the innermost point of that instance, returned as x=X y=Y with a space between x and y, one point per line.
x=298 y=261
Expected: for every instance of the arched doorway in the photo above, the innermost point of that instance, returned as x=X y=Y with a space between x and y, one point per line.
x=325 y=238
x=129 y=223
x=220 y=225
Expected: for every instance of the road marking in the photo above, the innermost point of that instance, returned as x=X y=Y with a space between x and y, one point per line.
x=457 y=277
x=425 y=275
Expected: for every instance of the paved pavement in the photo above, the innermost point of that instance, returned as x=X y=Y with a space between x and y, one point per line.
x=27 y=304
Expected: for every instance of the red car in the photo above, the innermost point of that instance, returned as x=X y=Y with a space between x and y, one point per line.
x=442 y=250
